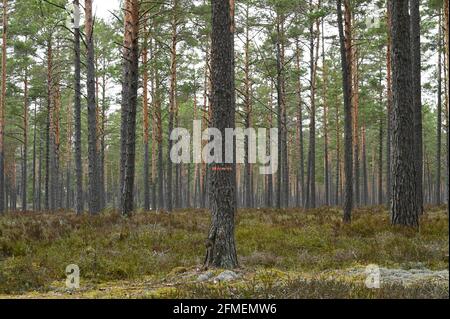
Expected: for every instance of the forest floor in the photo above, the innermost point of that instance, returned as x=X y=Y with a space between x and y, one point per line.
x=282 y=254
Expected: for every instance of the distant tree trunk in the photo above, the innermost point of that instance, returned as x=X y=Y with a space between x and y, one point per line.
x=301 y=168
x=417 y=98
x=348 y=165
x=439 y=117
x=269 y=190
x=311 y=179
x=132 y=64
x=365 y=172
x=102 y=132
x=69 y=157
x=3 y=106
x=279 y=118
x=55 y=189
x=380 y=164
x=221 y=250
x=158 y=117
x=247 y=111
x=77 y=111
x=49 y=124
x=39 y=196
x=34 y=158
x=325 y=121
x=25 y=143
x=338 y=156
x=92 y=113
x=389 y=107
x=404 y=210
x=172 y=102
x=284 y=144
x=146 y=122
x=154 y=129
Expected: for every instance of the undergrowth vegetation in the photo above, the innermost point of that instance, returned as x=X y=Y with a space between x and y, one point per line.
x=36 y=248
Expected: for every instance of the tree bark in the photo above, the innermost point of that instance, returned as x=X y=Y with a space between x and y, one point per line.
x=77 y=111
x=25 y=143
x=132 y=64
x=221 y=250
x=145 y=115
x=404 y=210
x=417 y=98
x=94 y=206
x=172 y=102
x=346 y=85
x=439 y=117
x=3 y=106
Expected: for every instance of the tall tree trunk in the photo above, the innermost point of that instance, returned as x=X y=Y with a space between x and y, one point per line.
x=417 y=98
x=365 y=169
x=338 y=157
x=389 y=106
x=404 y=210
x=48 y=124
x=279 y=118
x=34 y=158
x=269 y=190
x=325 y=121
x=25 y=142
x=346 y=85
x=77 y=111
x=314 y=57
x=145 y=115
x=221 y=250
x=248 y=110
x=132 y=64
x=172 y=102
x=94 y=206
x=301 y=155
x=380 y=164
x=39 y=196
x=3 y=106
x=439 y=117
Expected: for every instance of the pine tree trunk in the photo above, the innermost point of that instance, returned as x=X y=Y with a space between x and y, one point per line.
x=417 y=98
x=93 y=184
x=279 y=119
x=247 y=117
x=380 y=164
x=172 y=103
x=325 y=121
x=439 y=117
x=77 y=111
x=49 y=124
x=346 y=85
x=34 y=158
x=145 y=121
x=25 y=143
x=404 y=210
x=221 y=250
x=3 y=106
x=301 y=155
x=132 y=64
x=365 y=169
x=389 y=107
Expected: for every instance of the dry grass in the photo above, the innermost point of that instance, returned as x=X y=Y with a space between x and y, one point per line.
x=150 y=248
